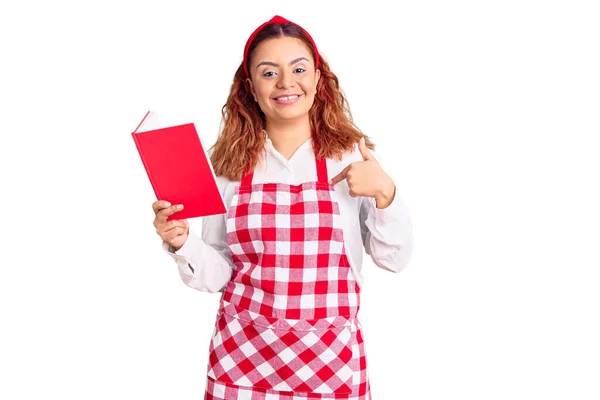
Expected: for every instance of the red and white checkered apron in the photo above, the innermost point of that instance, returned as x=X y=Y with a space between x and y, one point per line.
x=287 y=324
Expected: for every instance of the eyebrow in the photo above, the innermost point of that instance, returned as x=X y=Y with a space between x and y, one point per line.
x=277 y=65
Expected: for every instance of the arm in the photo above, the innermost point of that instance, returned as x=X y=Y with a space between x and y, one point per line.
x=387 y=232
x=205 y=262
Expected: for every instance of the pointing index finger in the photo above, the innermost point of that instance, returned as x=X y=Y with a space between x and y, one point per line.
x=339 y=177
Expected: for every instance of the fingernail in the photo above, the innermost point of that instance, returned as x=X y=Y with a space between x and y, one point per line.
x=180 y=206
x=167 y=204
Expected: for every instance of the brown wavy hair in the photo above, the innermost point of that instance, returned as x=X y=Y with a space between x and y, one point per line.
x=242 y=141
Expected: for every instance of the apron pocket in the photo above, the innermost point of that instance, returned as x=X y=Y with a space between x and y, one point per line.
x=313 y=360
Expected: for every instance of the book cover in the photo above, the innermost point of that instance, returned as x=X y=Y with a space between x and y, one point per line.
x=178 y=167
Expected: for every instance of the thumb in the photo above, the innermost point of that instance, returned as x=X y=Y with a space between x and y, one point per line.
x=364 y=150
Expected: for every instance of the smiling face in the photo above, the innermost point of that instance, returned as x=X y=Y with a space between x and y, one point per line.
x=284 y=79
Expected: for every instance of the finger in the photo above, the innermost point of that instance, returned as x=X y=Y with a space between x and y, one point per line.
x=339 y=177
x=167 y=226
x=364 y=150
x=183 y=224
x=173 y=234
x=166 y=212
x=159 y=205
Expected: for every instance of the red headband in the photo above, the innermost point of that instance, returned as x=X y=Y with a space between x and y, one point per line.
x=276 y=20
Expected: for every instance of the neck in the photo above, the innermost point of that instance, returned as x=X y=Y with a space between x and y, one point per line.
x=287 y=136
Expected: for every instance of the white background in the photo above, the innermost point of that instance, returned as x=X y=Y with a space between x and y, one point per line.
x=485 y=113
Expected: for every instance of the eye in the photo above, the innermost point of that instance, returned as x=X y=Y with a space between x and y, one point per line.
x=269 y=72
x=300 y=69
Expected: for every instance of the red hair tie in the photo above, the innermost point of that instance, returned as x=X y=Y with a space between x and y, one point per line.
x=277 y=20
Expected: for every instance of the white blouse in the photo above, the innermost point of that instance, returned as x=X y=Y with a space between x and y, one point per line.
x=386 y=233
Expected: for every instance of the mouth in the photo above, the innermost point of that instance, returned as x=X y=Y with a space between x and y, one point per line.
x=287 y=99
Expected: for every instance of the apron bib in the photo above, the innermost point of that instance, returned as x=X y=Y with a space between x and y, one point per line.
x=287 y=319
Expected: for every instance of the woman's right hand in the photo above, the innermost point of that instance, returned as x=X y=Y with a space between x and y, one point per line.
x=174 y=232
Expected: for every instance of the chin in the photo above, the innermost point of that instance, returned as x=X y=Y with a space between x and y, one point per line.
x=289 y=115
x=293 y=116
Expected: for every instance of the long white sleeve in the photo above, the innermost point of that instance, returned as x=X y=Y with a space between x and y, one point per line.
x=387 y=233
x=205 y=263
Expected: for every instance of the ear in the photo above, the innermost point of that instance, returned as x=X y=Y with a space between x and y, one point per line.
x=318 y=74
x=249 y=81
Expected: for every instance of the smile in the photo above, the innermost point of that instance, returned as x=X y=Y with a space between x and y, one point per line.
x=289 y=99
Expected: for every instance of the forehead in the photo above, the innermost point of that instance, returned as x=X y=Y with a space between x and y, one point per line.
x=282 y=48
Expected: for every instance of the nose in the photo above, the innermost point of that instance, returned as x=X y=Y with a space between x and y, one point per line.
x=286 y=80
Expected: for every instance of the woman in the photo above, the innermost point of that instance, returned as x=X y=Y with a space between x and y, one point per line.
x=287 y=255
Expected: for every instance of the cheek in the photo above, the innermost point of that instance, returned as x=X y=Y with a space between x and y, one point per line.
x=309 y=89
x=263 y=93
x=309 y=85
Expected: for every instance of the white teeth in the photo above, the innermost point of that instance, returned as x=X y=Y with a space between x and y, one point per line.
x=286 y=98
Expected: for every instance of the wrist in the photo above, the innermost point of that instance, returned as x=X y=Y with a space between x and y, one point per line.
x=385 y=197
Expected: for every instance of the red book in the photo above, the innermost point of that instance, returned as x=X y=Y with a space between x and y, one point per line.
x=179 y=169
